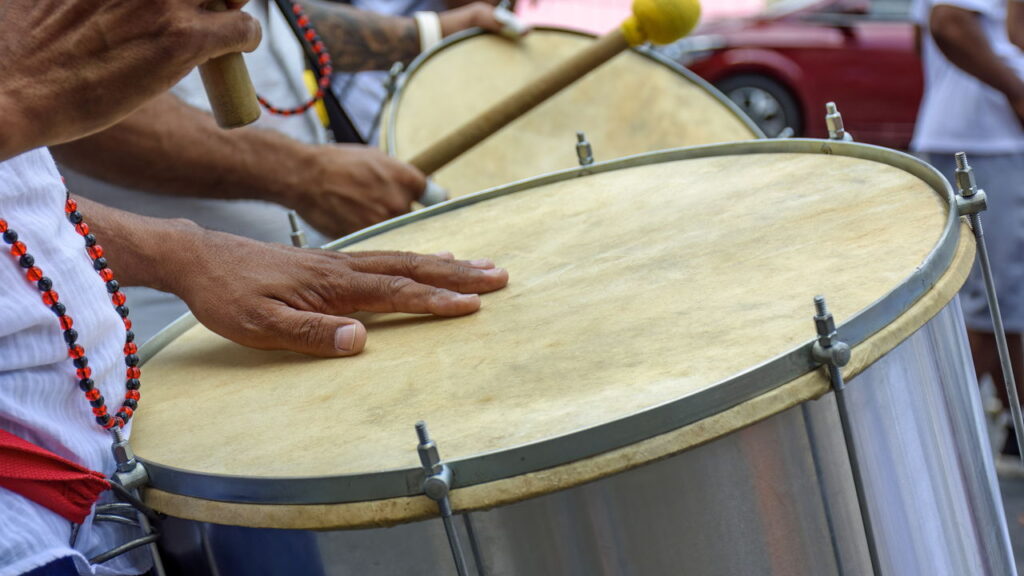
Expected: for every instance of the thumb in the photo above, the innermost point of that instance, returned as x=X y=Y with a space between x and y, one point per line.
x=228 y=31
x=312 y=333
x=412 y=180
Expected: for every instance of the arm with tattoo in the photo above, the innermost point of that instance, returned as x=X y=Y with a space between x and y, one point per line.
x=359 y=40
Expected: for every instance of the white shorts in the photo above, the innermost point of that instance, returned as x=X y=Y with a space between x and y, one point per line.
x=1002 y=179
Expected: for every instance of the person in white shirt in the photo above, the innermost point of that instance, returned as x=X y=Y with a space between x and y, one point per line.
x=974 y=102
x=71 y=76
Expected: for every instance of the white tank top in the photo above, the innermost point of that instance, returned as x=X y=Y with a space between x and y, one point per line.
x=39 y=396
x=958 y=111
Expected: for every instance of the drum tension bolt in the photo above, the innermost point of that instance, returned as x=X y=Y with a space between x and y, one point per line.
x=125 y=483
x=584 y=151
x=130 y=472
x=439 y=476
x=970 y=199
x=394 y=73
x=436 y=486
x=131 y=476
x=828 y=349
x=390 y=86
x=298 y=236
x=834 y=122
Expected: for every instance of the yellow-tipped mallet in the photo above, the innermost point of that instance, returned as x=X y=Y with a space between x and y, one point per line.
x=657 y=21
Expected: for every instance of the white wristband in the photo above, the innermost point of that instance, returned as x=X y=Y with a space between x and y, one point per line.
x=429 y=25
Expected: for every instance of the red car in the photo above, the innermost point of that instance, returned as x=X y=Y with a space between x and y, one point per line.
x=781 y=66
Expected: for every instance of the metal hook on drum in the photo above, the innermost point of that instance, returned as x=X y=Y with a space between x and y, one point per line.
x=970 y=202
x=584 y=151
x=834 y=122
x=125 y=483
x=436 y=486
x=832 y=352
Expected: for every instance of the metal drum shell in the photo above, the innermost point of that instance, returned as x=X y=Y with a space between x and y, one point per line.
x=502 y=468
x=900 y=317
x=773 y=498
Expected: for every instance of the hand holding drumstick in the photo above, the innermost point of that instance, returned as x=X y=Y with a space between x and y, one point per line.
x=97 y=61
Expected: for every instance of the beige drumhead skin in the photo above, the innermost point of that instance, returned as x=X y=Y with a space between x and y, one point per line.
x=628 y=106
x=629 y=289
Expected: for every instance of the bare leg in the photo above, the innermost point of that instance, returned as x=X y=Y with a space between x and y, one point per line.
x=986 y=360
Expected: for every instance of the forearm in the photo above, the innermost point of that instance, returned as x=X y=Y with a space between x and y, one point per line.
x=1015 y=22
x=169 y=147
x=959 y=35
x=360 y=40
x=142 y=251
x=277 y=297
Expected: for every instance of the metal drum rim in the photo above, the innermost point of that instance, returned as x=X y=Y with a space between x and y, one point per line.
x=585 y=443
x=391 y=106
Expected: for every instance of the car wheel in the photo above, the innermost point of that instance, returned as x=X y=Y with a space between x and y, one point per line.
x=768 y=103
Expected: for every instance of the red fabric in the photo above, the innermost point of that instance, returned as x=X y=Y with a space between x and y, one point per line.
x=47 y=479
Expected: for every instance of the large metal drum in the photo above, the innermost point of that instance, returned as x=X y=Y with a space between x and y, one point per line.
x=642 y=398
x=638 y=102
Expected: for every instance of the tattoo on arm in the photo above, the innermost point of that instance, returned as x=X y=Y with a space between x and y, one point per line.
x=360 y=40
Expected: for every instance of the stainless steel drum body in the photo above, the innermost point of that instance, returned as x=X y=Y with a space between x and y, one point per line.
x=771 y=496
x=772 y=499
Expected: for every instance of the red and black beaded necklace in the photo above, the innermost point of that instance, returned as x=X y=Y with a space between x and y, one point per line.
x=35 y=275
x=339 y=125
x=51 y=299
x=320 y=59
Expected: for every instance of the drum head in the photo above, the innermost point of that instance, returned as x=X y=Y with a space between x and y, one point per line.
x=635 y=103
x=656 y=293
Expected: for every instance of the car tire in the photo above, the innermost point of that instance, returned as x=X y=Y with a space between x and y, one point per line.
x=768 y=103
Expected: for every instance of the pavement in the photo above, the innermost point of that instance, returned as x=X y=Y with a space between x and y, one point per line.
x=1009 y=469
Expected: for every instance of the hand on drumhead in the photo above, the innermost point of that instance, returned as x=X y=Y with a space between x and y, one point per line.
x=72 y=67
x=349 y=187
x=483 y=15
x=276 y=297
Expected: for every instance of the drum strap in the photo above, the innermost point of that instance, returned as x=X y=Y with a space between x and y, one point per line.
x=47 y=479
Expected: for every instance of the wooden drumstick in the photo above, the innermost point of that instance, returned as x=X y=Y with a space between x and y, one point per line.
x=658 y=21
x=228 y=86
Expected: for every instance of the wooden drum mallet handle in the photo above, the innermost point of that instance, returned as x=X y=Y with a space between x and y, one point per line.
x=658 y=21
x=228 y=86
